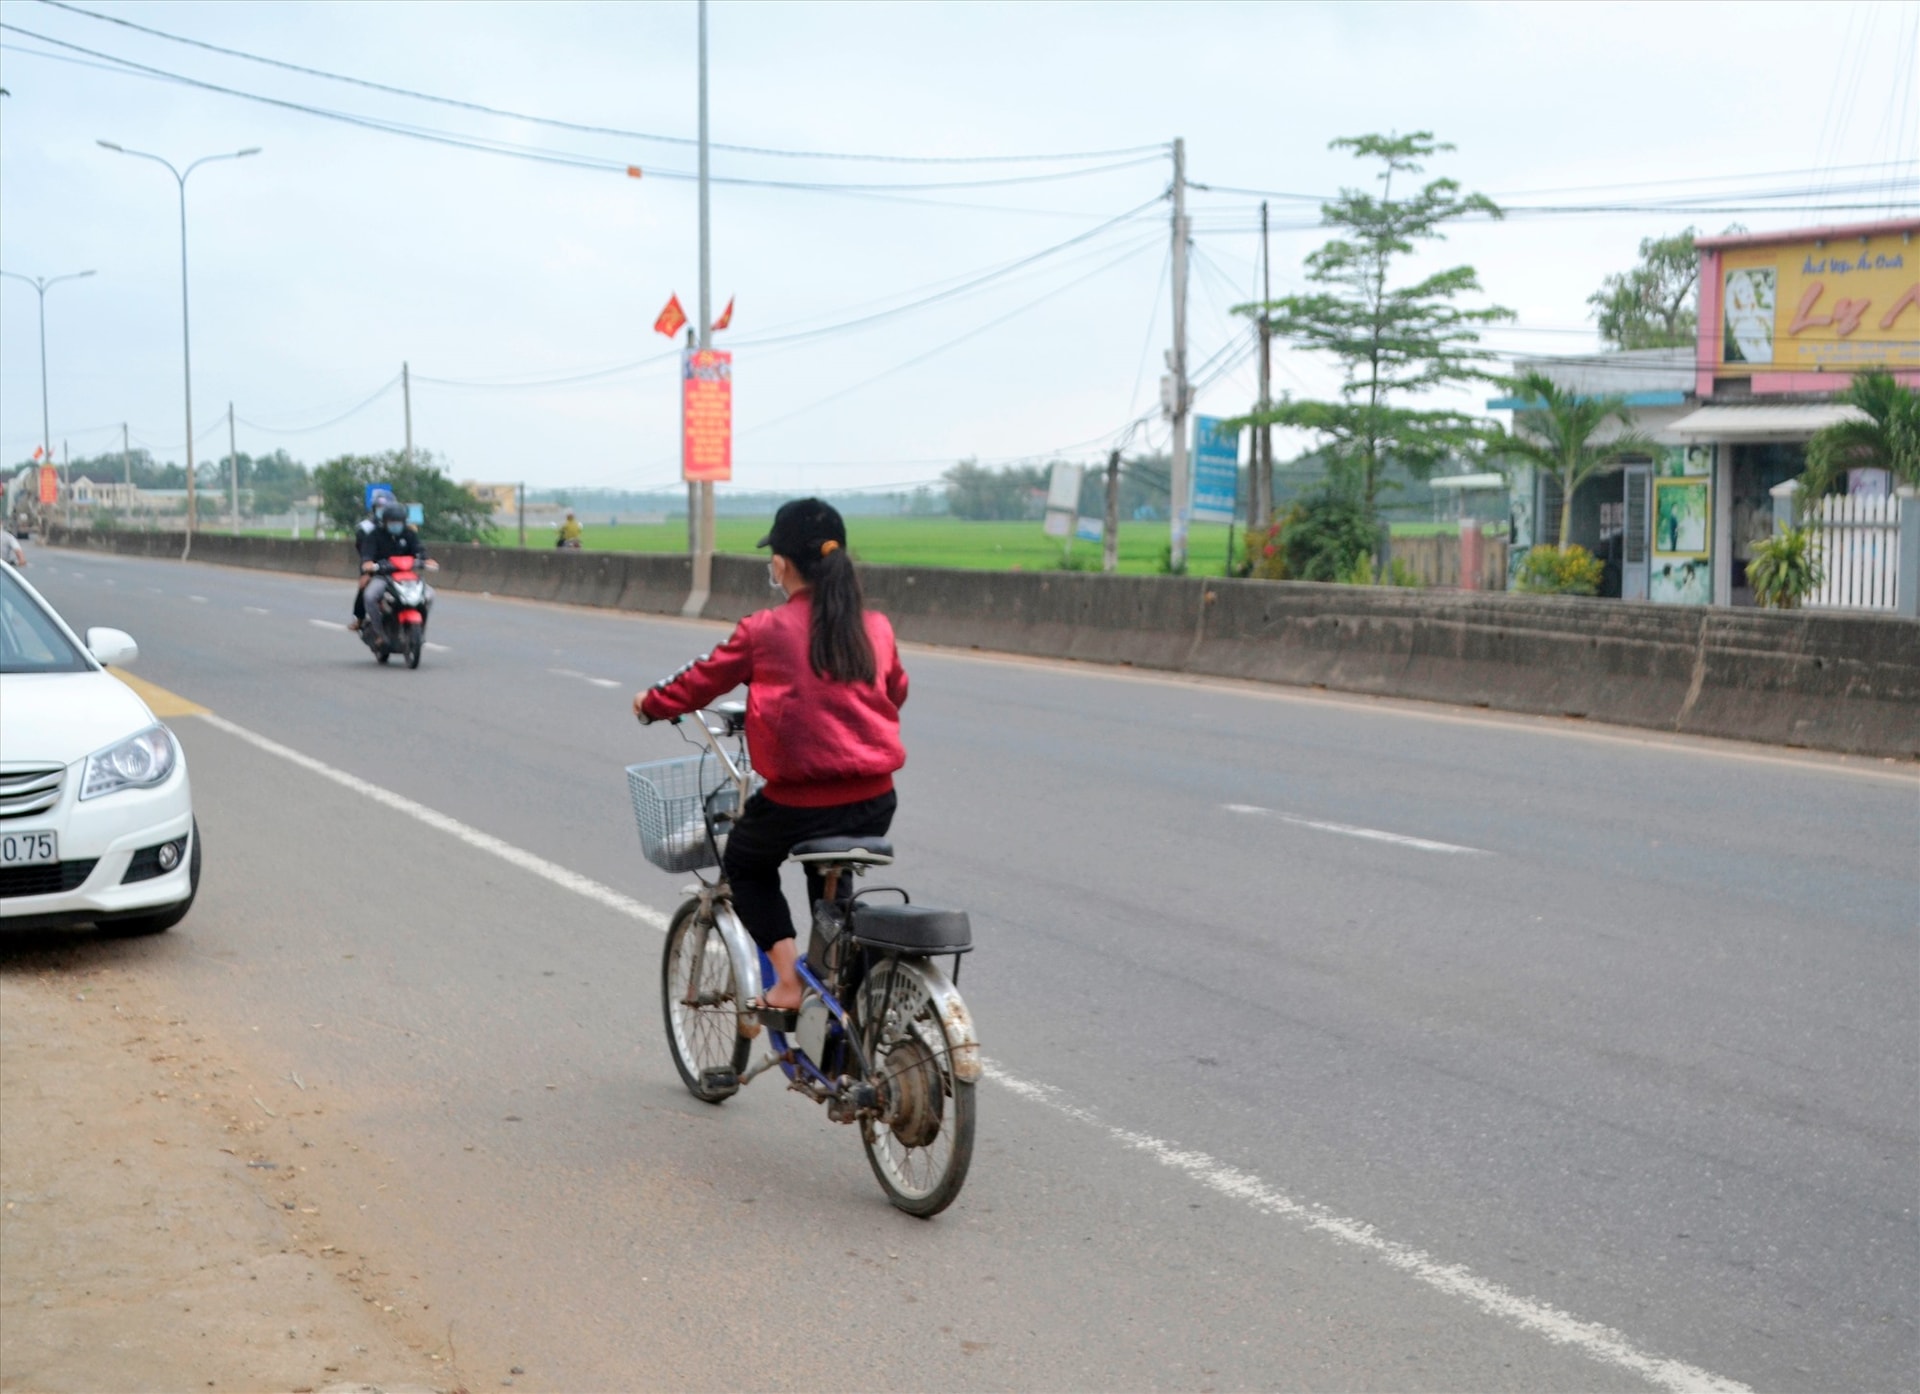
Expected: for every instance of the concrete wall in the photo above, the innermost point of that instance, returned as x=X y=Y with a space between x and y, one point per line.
x=1827 y=681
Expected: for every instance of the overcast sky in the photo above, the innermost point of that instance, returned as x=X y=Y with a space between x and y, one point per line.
x=339 y=251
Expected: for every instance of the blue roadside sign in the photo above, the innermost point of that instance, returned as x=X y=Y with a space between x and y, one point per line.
x=1216 y=471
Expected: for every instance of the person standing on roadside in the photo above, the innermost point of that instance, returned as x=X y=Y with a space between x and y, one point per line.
x=11 y=552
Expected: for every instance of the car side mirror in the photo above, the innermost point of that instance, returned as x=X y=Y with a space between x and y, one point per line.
x=112 y=647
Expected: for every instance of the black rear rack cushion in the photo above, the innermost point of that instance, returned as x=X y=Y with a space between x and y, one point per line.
x=912 y=929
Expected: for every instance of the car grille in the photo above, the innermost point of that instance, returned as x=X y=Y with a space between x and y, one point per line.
x=27 y=789
x=48 y=878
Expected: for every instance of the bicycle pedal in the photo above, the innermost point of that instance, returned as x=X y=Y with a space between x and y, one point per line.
x=719 y=1082
x=776 y=1020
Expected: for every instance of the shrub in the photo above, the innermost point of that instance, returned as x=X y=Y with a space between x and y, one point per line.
x=1785 y=569
x=1326 y=537
x=1570 y=570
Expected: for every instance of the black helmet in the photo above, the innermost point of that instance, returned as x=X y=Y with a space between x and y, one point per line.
x=393 y=513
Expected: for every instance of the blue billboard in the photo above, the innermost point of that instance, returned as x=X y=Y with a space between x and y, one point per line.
x=1216 y=471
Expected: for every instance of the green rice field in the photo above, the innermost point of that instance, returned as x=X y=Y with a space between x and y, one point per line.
x=920 y=542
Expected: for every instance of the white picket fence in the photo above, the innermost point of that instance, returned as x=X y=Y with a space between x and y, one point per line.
x=1858 y=540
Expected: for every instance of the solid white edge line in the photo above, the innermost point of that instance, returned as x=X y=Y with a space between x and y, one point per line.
x=486 y=842
x=1349 y=830
x=1599 y=1342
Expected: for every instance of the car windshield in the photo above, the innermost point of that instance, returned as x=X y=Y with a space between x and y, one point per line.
x=30 y=640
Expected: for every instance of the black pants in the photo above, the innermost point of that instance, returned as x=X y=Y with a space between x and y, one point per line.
x=760 y=841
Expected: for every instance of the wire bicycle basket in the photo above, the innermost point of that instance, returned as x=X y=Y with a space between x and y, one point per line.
x=671 y=801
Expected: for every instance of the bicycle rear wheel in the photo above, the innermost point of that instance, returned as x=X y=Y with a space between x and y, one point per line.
x=701 y=1004
x=922 y=1143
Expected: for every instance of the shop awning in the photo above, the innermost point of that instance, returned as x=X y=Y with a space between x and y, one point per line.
x=1783 y=422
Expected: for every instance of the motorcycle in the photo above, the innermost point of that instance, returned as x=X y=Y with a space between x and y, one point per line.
x=400 y=626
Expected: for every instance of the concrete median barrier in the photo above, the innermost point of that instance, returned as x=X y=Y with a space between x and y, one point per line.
x=1837 y=682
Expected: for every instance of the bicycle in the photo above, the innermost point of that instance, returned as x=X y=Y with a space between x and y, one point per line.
x=882 y=1037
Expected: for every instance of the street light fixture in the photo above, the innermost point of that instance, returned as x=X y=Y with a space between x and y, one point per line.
x=186 y=342
x=43 y=284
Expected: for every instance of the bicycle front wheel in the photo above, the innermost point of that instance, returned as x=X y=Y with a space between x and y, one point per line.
x=922 y=1143
x=701 y=1004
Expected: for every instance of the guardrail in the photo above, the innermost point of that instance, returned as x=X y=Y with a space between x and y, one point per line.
x=1837 y=682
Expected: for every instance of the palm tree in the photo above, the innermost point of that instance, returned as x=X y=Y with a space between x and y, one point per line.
x=1556 y=433
x=1888 y=439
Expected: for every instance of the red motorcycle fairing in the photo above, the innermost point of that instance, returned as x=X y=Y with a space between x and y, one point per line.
x=410 y=617
x=400 y=564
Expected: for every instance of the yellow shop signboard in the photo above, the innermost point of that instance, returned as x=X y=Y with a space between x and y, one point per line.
x=1840 y=304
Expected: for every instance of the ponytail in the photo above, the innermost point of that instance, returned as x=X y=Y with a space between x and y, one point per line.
x=840 y=650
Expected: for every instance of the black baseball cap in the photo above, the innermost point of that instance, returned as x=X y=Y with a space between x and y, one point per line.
x=802 y=527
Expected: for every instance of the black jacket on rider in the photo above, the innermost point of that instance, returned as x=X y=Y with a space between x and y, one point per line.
x=383 y=544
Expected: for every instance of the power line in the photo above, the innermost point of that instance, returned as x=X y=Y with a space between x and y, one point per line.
x=544 y=155
x=352 y=411
x=1155 y=149
x=995 y=323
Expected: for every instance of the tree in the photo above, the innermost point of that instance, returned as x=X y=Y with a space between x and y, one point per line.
x=452 y=513
x=984 y=494
x=1653 y=305
x=1889 y=439
x=1559 y=433
x=1394 y=341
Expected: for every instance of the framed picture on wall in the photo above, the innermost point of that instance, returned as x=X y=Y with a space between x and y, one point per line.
x=1680 y=517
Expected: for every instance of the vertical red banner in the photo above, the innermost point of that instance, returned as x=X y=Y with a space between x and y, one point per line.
x=706 y=416
x=49 y=484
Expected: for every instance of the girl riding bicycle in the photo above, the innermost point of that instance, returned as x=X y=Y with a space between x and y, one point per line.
x=825 y=687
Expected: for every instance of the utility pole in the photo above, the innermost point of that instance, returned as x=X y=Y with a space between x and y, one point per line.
x=406 y=398
x=233 y=473
x=66 y=479
x=523 y=513
x=1263 y=437
x=1110 y=532
x=1178 y=501
x=126 y=464
x=700 y=496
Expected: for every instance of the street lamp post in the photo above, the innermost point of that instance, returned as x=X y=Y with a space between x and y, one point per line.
x=186 y=340
x=42 y=284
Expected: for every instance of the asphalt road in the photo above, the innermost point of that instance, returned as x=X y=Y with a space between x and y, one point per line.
x=1337 y=1044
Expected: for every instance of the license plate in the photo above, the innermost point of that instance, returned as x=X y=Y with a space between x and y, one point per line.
x=29 y=849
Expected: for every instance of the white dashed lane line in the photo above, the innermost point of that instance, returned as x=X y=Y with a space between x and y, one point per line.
x=255 y=610
x=597 y=682
x=1419 y=844
x=1600 y=1343
x=198 y=599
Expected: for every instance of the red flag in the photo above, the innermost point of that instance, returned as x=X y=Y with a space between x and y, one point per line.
x=38 y=452
x=671 y=319
x=726 y=316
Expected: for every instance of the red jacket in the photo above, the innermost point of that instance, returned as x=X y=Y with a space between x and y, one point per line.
x=817 y=743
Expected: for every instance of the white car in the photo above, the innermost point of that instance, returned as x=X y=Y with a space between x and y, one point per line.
x=96 y=817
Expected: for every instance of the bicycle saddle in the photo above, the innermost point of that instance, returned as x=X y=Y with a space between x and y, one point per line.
x=866 y=851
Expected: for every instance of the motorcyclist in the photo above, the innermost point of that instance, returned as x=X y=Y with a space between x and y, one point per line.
x=362 y=545
x=569 y=532
x=394 y=537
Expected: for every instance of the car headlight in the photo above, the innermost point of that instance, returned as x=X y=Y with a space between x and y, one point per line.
x=138 y=762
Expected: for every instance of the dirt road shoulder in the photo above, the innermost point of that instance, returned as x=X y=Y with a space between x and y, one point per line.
x=153 y=1229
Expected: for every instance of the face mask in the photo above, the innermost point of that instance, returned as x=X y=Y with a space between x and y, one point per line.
x=396 y=528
